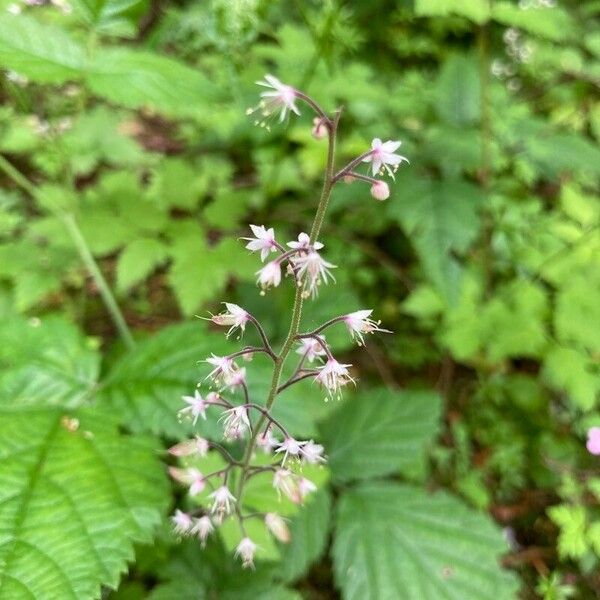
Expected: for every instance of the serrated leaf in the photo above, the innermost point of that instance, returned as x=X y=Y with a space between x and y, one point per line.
x=572 y=521
x=138 y=260
x=379 y=431
x=310 y=531
x=46 y=361
x=396 y=541
x=74 y=496
x=43 y=53
x=114 y=17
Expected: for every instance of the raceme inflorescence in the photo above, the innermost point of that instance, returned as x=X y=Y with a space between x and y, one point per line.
x=255 y=443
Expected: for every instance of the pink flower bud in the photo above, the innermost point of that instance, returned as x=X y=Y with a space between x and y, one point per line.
x=593 y=441
x=319 y=130
x=277 y=526
x=380 y=190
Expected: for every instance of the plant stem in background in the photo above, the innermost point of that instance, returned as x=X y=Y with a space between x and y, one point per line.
x=82 y=248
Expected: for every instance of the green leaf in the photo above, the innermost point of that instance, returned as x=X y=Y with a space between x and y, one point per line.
x=74 y=496
x=396 y=541
x=116 y=17
x=552 y=23
x=379 y=431
x=144 y=387
x=458 y=91
x=572 y=522
x=143 y=80
x=138 y=260
x=310 y=531
x=573 y=371
x=47 y=362
x=43 y=53
x=441 y=219
x=476 y=10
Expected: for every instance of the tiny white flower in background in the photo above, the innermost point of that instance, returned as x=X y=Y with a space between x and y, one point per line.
x=235 y=316
x=182 y=522
x=270 y=275
x=303 y=243
x=311 y=348
x=222 y=499
x=246 y=550
x=263 y=240
x=277 y=526
x=333 y=376
x=203 y=527
x=284 y=481
x=224 y=367
x=382 y=156
x=305 y=487
x=380 y=190
x=14 y=9
x=281 y=97
x=315 y=269
x=190 y=477
x=289 y=446
x=196 y=445
x=359 y=322
x=197 y=407
x=236 y=422
x=313 y=453
x=266 y=441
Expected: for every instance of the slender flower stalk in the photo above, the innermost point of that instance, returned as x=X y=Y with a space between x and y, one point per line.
x=250 y=422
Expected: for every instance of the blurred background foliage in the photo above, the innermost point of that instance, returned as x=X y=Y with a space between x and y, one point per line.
x=124 y=136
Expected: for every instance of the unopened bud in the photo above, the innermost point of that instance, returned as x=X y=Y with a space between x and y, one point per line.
x=319 y=130
x=277 y=526
x=380 y=190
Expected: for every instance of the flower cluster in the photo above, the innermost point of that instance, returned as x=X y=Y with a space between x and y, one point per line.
x=215 y=478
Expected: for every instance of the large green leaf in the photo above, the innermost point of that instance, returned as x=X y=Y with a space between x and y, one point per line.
x=396 y=541
x=74 y=496
x=40 y=52
x=379 y=432
x=47 y=362
x=476 y=10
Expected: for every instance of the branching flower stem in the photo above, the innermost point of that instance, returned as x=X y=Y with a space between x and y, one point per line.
x=328 y=184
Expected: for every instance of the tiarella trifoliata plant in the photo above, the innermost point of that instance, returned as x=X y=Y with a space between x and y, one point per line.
x=249 y=421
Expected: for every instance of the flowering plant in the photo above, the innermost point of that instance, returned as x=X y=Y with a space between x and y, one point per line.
x=224 y=481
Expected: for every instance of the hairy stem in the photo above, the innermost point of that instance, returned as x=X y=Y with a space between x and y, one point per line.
x=296 y=311
x=82 y=248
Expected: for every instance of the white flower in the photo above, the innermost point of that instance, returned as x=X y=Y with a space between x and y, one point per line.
x=236 y=422
x=305 y=487
x=222 y=499
x=197 y=407
x=203 y=527
x=190 y=477
x=264 y=241
x=246 y=550
x=333 y=375
x=236 y=379
x=182 y=522
x=382 y=155
x=224 y=368
x=359 y=322
x=285 y=481
x=380 y=190
x=270 y=275
x=235 y=316
x=277 y=526
x=312 y=453
x=303 y=243
x=289 y=446
x=266 y=441
x=281 y=97
x=196 y=445
x=315 y=269
x=311 y=348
